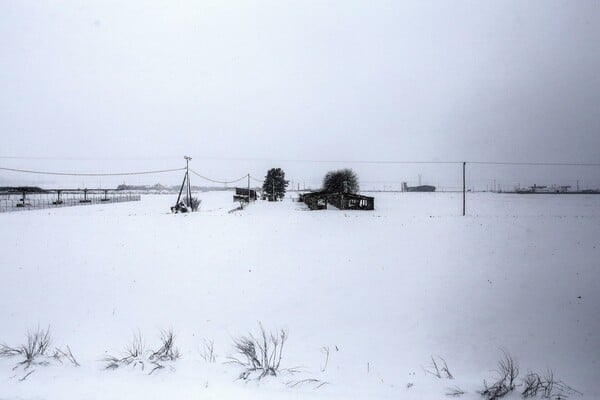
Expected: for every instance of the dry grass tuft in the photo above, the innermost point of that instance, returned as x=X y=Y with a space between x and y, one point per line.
x=260 y=354
x=546 y=385
x=36 y=352
x=207 y=352
x=135 y=354
x=438 y=370
x=508 y=371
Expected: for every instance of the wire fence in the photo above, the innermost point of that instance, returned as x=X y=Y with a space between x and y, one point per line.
x=37 y=201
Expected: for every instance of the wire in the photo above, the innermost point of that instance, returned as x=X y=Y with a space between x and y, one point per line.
x=328 y=161
x=90 y=174
x=99 y=158
x=405 y=162
x=257 y=180
x=217 y=181
x=535 y=163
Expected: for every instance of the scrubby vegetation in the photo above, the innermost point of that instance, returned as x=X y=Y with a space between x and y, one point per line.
x=136 y=354
x=261 y=354
x=36 y=351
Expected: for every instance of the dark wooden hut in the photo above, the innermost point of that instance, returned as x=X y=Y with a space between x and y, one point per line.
x=241 y=194
x=343 y=201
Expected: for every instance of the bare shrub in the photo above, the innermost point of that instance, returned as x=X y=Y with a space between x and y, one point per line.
x=7 y=351
x=546 y=385
x=37 y=345
x=532 y=383
x=135 y=348
x=135 y=354
x=167 y=351
x=111 y=361
x=67 y=354
x=36 y=351
x=508 y=371
x=260 y=354
x=440 y=371
x=207 y=351
x=195 y=203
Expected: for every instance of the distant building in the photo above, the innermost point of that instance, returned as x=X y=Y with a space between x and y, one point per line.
x=420 y=188
x=241 y=194
x=343 y=201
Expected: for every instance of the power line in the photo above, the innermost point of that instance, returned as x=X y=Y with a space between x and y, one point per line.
x=217 y=181
x=328 y=161
x=558 y=164
x=107 y=158
x=447 y=162
x=90 y=174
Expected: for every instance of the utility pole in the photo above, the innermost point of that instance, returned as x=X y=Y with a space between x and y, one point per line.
x=189 y=187
x=464 y=189
x=248 y=189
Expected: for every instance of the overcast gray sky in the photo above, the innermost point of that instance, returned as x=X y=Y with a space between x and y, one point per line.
x=321 y=80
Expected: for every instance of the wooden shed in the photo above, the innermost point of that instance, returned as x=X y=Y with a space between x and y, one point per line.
x=343 y=201
x=241 y=194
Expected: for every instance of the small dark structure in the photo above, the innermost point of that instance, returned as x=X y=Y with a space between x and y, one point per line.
x=420 y=188
x=343 y=201
x=315 y=200
x=351 y=201
x=537 y=189
x=241 y=194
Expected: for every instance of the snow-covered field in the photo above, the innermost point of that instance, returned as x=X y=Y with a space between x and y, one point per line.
x=382 y=290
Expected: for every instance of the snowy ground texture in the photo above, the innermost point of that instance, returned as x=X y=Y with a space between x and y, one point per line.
x=383 y=291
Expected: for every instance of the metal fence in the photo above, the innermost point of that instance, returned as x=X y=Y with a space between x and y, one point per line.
x=36 y=201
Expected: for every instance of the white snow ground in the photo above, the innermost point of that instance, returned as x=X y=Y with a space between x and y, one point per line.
x=383 y=290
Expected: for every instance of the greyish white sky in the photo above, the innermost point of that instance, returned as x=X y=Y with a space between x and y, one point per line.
x=111 y=86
